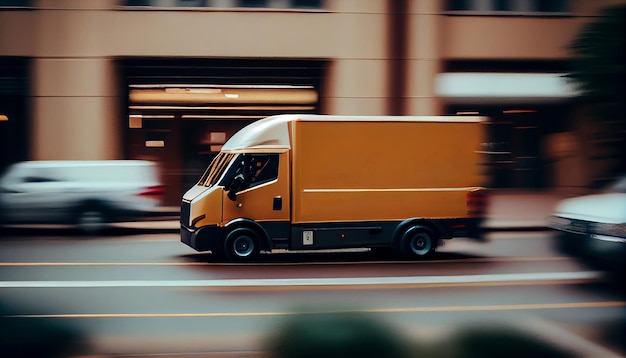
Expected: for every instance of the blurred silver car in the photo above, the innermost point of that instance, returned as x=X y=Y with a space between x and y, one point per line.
x=593 y=227
x=87 y=194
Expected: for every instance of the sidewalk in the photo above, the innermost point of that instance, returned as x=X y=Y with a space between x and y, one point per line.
x=522 y=209
x=509 y=209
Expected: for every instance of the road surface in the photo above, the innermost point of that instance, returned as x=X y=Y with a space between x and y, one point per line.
x=132 y=293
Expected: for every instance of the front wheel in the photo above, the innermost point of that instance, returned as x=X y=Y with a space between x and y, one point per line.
x=241 y=245
x=417 y=242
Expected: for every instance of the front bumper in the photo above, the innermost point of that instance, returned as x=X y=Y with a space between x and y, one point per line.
x=205 y=238
x=607 y=251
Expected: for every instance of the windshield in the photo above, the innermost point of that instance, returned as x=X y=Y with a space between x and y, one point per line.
x=215 y=170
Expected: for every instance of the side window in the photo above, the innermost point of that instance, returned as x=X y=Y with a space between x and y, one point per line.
x=264 y=169
x=252 y=170
x=37 y=175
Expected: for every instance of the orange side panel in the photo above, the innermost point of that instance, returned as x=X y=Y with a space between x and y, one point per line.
x=383 y=170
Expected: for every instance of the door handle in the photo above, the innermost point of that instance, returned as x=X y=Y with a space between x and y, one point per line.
x=278 y=203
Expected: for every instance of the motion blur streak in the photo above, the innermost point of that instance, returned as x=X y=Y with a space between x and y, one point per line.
x=314 y=282
x=377 y=310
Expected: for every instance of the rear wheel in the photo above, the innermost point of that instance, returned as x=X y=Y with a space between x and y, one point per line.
x=91 y=220
x=241 y=245
x=417 y=242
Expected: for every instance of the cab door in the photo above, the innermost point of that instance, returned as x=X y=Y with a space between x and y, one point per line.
x=262 y=195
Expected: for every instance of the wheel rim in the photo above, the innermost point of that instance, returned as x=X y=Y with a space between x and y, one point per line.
x=91 y=221
x=243 y=246
x=420 y=244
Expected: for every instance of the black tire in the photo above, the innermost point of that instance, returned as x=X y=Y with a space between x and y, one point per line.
x=91 y=219
x=570 y=245
x=241 y=244
x=417 y=242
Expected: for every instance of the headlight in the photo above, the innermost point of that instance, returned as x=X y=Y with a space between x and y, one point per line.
x=617 y=230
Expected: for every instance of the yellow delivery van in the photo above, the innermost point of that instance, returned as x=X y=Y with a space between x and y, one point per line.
x=309 y=182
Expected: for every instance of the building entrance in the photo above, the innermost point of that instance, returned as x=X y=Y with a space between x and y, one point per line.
x=180 y=113
x=14 y=114
x=515 y=147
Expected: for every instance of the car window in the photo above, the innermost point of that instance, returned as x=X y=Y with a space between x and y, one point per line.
x=37 y=179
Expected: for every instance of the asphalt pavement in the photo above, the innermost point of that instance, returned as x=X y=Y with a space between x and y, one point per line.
x=518 y=210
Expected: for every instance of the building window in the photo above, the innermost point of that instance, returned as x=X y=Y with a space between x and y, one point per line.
x=503 y=5
x=550 y=6
x=307 y=4
x=191 y=3
x=253 y=3
x=459 y=5
x=270 y=4
x=137 y=3
x=16 y=3
x=509 y=7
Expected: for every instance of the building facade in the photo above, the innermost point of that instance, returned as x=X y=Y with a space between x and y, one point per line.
x=171 y=80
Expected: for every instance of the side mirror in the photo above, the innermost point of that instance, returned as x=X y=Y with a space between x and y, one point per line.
x=234 y=186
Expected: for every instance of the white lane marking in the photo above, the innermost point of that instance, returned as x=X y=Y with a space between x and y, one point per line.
x=460 y=279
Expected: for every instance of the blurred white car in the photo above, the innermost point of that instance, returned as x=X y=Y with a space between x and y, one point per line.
x=593 y=227
x=87 y=194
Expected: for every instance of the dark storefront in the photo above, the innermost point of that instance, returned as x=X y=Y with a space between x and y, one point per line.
x=14 y=113
x=515 y=147
x=180 y=111
x=522 y=118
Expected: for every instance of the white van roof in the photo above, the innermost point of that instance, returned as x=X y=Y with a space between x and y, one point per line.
x=273 y=132
x=87 y=170
x=82 y=163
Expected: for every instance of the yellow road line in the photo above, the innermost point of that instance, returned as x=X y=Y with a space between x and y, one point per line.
x=538 y=306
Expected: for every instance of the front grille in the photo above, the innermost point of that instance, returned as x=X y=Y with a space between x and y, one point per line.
x=185 y=211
